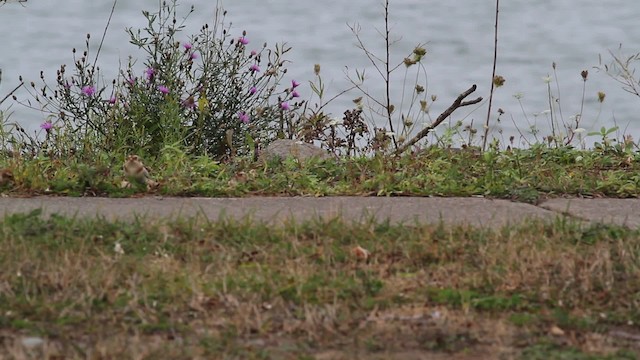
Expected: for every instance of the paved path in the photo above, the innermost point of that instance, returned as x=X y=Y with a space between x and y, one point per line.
x=474 y=211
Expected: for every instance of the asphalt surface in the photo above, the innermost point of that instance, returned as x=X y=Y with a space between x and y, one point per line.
x=479 y=212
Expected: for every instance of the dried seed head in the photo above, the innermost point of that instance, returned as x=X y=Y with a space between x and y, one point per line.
x=423 y=105
x=408 y=62
x=420 y=51
x=601 y=96
x=391 y=108
x=584 y=74
x=498 y=81
x=419 y=89
x=316 y=69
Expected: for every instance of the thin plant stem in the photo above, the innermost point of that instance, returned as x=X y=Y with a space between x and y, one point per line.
x=388 y=71
x=493 y=76
x=570 y=133
x=104 y=33
x=553 y=124
x=555 y=75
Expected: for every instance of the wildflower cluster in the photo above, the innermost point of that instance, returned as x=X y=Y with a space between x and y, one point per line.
x=209 y=93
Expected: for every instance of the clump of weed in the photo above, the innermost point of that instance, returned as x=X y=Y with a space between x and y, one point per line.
x=210 y=93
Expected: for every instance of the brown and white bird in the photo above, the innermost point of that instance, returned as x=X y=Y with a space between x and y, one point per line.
x=135 y=169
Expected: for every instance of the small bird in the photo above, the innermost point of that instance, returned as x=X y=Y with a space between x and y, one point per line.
x=6 y=177
x=135 y=169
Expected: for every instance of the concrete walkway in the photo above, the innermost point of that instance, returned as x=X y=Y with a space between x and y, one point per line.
x=409 y=210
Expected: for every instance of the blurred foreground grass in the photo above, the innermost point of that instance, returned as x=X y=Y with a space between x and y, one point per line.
x=237 y=289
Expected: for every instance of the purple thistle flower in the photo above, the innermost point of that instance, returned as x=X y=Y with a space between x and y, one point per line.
x=163 y=89
x=243 y=40
x=193 y=56
x=294 y=94
x=112 y=100
x=254 y=68
x=254 y=53
x=243 y=117
x=187 y=46
x=294 y=84
x=47 y=125
x=132 y=80
x=88 y=90
x=150 y=72
x=284 y=105
x=253 y=90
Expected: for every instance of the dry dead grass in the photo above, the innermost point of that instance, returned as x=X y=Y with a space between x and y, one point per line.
x=93 y=289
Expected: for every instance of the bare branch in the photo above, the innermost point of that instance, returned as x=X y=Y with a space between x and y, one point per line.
x=458 y=103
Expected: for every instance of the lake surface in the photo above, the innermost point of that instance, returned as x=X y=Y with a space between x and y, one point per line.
x=458 y=37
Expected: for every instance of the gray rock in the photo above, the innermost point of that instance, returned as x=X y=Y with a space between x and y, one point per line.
x=285 y=148
x=32 y=341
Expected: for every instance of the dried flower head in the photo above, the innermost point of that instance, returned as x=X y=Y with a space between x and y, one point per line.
x=601 y=96
x=584 y=74
x=420 y=51
x=408 y=62
x=423 y=106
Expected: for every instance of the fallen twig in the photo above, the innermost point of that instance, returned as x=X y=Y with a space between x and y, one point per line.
x=424 y=132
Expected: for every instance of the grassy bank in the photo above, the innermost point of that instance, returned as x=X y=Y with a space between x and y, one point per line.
x=523 y=175
x=94 y=289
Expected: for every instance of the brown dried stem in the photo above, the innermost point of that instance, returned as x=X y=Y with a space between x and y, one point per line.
x=12 y=92
x=424 y=132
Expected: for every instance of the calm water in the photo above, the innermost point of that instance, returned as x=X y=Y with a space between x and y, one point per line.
x=458 y=34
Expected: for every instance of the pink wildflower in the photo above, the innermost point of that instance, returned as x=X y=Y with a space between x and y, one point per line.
x=47 y=125
x=243 y=117
x=88 y=90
